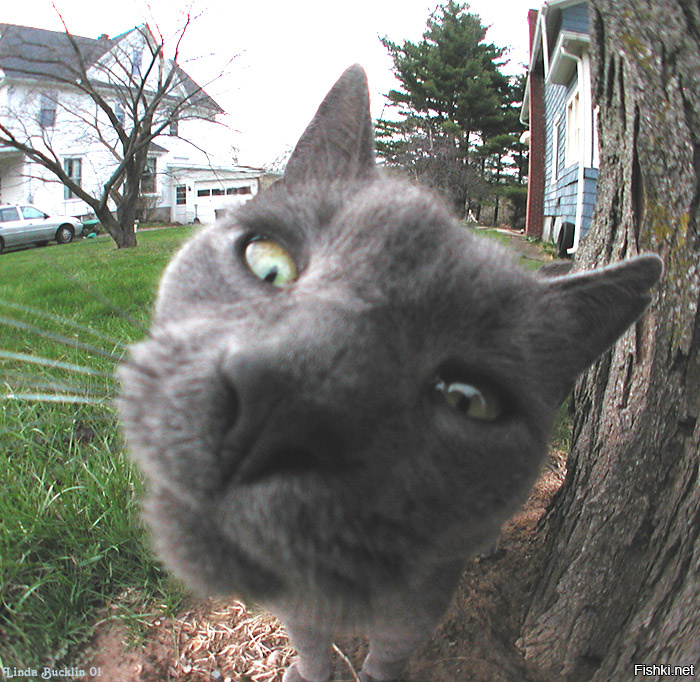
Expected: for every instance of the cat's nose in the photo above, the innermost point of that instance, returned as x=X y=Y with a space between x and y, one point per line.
x=276 y=431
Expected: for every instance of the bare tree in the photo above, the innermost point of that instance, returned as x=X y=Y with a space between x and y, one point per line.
x=621 y=586
x=432 y=155
x=122 y=93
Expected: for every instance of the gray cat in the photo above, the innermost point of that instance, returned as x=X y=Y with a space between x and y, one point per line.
x=345 y=394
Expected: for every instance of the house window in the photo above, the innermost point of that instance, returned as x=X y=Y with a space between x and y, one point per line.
x=239 y=190
x=73 y=168
x=573 y=130
x=180 y=195
x=217 y=192
x=136 y=62
x=47 y=111
x=203 y=192
x=148 y=178
x=558 y=141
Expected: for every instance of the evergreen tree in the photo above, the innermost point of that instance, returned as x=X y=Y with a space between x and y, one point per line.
x=459 y=122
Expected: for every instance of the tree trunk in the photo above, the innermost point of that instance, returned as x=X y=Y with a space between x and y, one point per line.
x=122 y=232
x=622 y=585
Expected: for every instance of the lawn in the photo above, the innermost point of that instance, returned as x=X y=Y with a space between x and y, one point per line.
x=72 y=549
x=71 y=545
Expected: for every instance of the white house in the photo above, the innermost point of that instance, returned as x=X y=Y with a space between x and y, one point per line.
x=188 y=175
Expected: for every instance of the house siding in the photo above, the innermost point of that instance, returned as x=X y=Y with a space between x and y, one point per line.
x=575 y=19
x=589 y=192
x=560 y=195
x=565 y=27
x=554 y=104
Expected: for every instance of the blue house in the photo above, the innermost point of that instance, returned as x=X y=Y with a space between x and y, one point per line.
x=559 y=111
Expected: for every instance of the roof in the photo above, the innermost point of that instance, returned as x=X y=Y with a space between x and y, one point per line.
x=37 y=53
x=28 y=52
x=551 y=13
x=554 y=47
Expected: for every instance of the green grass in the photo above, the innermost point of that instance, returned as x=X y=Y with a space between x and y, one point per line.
x=70 y=537
x=525 y=261
x=550 y=248
x=494 y=234
x=72 y=549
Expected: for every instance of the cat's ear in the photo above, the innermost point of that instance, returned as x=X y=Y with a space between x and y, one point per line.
x=338 y=144
x=583 y=314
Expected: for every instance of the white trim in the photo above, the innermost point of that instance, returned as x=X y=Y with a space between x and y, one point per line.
x=561 y=4
x=581 y=87
x=541 y=26
x=586 y=109
x=545 y=40
x=595 y=151
x=573 y=127
x=570 y=45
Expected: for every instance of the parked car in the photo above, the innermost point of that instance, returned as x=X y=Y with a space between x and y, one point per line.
x=23 y=224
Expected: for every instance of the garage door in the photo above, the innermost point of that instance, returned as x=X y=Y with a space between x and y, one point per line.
x=209 y=199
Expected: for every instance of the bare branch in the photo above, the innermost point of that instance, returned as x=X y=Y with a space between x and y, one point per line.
x=132 y=103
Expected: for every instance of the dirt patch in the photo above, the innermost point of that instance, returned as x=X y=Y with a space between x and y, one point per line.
x=222 y=640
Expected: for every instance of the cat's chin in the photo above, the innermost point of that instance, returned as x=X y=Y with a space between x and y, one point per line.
x=224 y=548
x=208 y=561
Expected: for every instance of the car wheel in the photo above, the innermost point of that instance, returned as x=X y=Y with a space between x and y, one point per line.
x=64 y=234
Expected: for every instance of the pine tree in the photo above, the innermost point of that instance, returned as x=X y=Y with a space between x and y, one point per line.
x=455 y=103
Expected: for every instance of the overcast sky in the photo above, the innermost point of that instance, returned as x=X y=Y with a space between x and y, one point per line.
x=289 y=53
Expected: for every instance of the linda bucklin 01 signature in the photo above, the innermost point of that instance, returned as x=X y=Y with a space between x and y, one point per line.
x=48 y=673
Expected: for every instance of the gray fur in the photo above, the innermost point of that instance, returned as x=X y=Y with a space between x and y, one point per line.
x=297 y=450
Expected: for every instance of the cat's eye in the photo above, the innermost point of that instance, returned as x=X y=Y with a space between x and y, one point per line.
x=476 y=402
x=270 y=261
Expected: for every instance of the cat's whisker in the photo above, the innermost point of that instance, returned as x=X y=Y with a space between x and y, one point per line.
x=18 y=379
x=58 y=338
x=346 y=661
x=109 y=304
x=51 y=398
x=53 y=363
x=98 y=295
x=117 y=343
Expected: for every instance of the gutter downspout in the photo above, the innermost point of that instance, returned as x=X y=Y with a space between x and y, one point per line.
x=583 y=103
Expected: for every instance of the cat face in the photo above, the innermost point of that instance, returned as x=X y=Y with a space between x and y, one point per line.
x=343 y=388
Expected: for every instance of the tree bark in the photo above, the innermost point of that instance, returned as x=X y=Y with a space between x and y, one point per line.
x=122 y=232
x=622 y=583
